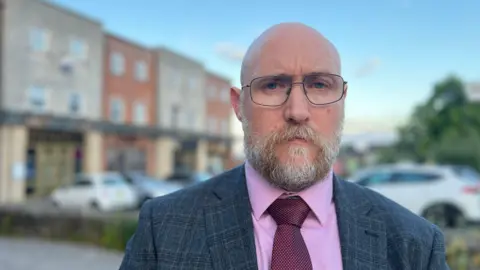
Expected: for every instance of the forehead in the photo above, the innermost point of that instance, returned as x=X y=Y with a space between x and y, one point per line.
x=294 y=58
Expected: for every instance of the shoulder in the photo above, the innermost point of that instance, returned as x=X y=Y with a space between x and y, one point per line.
x=188 y=201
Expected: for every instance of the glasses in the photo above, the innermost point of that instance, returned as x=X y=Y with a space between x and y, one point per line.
x=319 y=88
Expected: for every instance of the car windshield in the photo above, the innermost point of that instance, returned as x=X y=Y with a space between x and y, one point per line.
x=113 y=180
x=467 y=173
x=158 y=184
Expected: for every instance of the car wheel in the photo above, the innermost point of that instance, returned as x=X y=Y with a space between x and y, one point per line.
x=55 y=203
x=455 y=218
x=436 y=215
x=445 y=216
x=94 y=206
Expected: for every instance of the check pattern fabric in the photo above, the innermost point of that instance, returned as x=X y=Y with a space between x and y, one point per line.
x=289 y=249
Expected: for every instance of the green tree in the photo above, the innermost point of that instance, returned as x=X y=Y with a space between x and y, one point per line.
x=444 y=129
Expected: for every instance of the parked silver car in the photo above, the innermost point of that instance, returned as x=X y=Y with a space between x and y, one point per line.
x=148 y=187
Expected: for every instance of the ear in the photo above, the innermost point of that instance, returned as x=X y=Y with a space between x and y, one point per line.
x=236 y=102
x=346 y=91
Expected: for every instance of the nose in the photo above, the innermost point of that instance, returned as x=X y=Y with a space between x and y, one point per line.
x=297 y=106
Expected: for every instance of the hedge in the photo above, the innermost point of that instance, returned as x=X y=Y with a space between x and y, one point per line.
x=113 y=232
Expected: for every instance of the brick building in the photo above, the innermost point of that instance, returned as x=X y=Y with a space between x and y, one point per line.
x=129 y=99
x=218 y=114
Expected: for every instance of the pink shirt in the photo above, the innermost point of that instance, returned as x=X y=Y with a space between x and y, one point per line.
x=319 y=230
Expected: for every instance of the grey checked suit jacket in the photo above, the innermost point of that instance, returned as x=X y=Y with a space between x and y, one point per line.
x=209 y=226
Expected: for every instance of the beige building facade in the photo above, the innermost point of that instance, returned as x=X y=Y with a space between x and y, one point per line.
x=74 y=99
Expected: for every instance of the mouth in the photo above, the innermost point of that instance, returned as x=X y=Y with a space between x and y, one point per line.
x=298 y=140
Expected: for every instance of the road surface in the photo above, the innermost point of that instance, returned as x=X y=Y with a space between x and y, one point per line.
x=28 y=254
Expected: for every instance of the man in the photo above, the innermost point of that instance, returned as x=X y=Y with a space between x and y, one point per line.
x=284 y=209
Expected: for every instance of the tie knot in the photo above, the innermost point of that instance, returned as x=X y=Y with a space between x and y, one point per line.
x=289 y=211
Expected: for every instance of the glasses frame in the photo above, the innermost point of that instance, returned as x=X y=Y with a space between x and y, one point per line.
x=289 y=91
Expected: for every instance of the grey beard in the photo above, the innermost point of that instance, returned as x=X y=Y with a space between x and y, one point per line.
x=260 y=153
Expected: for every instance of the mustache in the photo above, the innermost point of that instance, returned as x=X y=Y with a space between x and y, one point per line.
x=291 y=132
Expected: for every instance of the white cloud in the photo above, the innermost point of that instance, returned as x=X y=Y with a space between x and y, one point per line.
x=230 y=51
x=368 y=68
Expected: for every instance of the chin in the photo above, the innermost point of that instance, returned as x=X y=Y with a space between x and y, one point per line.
x=299 y=156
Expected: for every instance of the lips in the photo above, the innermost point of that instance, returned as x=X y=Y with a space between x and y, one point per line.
x=298 y=138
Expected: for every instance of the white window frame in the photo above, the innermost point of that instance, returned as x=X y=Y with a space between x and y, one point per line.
x=141 y=71
x=117 y=63
x=84 y=48
x=31 y=104
x=46 y=39
x=121 y=103
x=139 y=106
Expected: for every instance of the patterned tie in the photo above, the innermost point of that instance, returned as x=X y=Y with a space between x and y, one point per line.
x=289 y=249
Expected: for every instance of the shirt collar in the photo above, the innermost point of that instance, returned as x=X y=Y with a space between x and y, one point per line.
x=262 y=194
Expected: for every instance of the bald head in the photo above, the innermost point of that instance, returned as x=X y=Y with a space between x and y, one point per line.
x=293 y=117
x=287 y=48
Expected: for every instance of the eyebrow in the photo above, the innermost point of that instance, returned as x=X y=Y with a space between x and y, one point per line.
x=303 y=75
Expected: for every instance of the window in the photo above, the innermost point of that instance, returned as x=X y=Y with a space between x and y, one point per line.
x=375 y=179
x=117 y=63
x=78 y=49
x=174 y=115
x=82 y=181
x=113 y=180
x=466 y=173
x=141 y=71
x=414 y=177
x=74 y=104
x=117 y=110
x=139 y=113
x=192 y=83
x=37 y=98
x=225 y=95
x=39 y=40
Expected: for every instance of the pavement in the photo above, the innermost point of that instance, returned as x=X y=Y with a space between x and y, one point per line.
x=33 y=254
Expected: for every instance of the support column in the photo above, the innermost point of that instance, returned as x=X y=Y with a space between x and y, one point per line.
x=164 y=151
x=13 y=142
x=93 y=152
x=201 y=160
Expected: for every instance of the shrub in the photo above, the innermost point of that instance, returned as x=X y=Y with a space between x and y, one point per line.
x=111 y=233
x=463 y=251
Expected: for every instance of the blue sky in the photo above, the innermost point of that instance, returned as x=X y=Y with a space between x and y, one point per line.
x=392 y=50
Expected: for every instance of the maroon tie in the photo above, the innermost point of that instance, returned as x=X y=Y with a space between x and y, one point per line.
x=289 y=249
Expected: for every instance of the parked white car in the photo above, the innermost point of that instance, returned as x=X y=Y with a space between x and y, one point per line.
x=447 y=195
x=103 y=191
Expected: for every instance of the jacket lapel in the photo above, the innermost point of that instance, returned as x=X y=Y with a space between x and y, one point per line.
x=229 y=225
x=363 y=236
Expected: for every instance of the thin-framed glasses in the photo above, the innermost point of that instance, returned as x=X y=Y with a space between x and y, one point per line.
x=319 y=88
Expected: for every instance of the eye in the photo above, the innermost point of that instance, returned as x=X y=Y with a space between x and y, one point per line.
x=271 y=85
x=319 y=85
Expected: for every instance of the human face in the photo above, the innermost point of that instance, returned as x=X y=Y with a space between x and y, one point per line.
x=295 y=144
